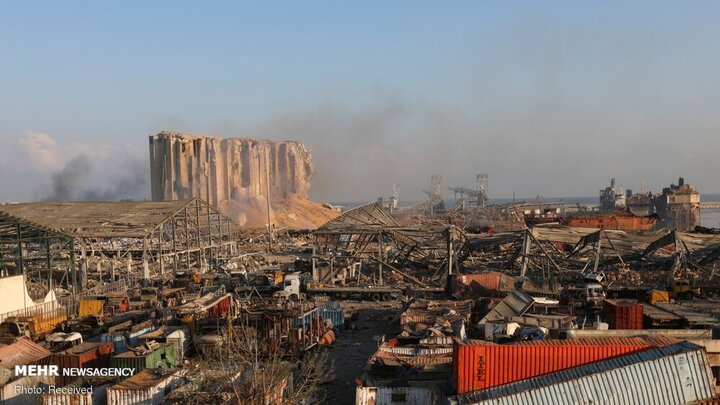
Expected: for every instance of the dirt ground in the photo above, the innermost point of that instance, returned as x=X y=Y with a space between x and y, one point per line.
x=355 y=346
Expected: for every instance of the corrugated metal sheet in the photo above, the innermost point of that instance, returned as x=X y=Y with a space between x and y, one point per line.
x=9 y=396
x=418 y=350
x=676 y=374
x=437 y=340
x=478 y=365
x=514 y=304
x=177 y=335
x=24 y=351
x=395 y=395
x=84 y=355
x=623 y=314
x=417 y=316
x=481 y=284
x=67 y=399
x=336 y=316
x=386 y=358
x=145 y=388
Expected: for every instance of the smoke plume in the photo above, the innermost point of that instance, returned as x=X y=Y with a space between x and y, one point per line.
x=72 y=182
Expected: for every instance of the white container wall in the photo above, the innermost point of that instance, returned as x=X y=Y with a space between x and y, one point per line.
x=181 y=339
x=139 y=389
x=9 y=395
x=395 y=395
x=97 y=397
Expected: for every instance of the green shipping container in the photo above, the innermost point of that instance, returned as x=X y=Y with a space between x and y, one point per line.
x=162 y=357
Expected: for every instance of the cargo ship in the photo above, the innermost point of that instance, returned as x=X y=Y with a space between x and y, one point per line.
x=533 y=218
x=616 y=220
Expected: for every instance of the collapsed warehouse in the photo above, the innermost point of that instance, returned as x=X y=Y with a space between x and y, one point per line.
x=455 y=289
x=83 y=243
x=425 y=305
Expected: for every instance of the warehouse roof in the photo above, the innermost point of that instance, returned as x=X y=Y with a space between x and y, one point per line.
x=12 y=227
x=97 y=218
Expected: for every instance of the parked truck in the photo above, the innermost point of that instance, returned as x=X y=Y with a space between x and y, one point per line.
x=295 y=287
x=34 y=327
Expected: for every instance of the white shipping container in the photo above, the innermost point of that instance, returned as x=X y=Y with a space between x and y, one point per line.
x=10 y=396
x=675 y=374
x=396 y=395
x=181 y=339
x=97 y=397
x=144 y=388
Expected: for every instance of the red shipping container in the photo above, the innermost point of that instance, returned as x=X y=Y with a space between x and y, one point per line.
x=491 y=284
x=478 y=365
x=84 y=355
x=623 y=314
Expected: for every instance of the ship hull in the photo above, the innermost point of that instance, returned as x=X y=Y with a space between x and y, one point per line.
x=619 y=222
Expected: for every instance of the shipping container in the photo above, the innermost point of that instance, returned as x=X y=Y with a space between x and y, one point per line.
x=91 y=307
x=90 y=354
x=333 y=311
x=181 y=338
x=178 y=335
x=623 y=314
x=675 y=374
x=388 y=358
x=39 y=324
x=147 y=387
x=23 y=351
x=491 y=284
x=162 y=357
x=98 y=396
x=478 y=365
x=396 y=395
x=657 y=296
x=10 y=396
x=67 y=399
x=122 y=340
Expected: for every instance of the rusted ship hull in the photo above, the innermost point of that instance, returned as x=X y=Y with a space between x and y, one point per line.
x=615 y=221
x=532 y=220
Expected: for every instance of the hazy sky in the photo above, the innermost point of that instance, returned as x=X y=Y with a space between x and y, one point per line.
x=550 y=98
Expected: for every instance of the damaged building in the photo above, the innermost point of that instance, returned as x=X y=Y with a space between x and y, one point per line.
x=237 y=175
x=69 y=241
x=678 y=207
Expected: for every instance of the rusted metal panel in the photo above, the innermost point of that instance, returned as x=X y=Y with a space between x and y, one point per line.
x=416 y=316
x=387 y=358
x=84 y=355
x=91 y=307
x=146 y=387
x=675 y=374
x=478 y=365
x=163 y=356
x=481 y=284
x=24 y=351
x=396 y=395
